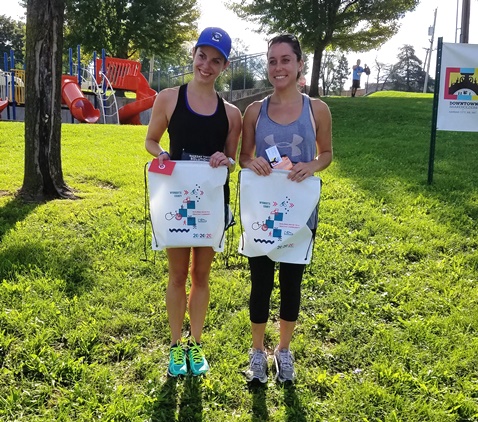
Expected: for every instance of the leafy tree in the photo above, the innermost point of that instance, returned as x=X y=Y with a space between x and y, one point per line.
x=43 y=176
x=124 y=28
x=327 y=71
x=348 y=25
x=334 y=73
x=12 y=35
x=341 y=75
x=408 y=74
x=241 y=78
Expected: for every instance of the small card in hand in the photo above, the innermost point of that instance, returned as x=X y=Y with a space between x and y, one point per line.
x=276 y=160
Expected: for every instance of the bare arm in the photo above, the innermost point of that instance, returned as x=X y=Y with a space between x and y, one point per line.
x=323 y=139
x=163 y=108
x=247 y=158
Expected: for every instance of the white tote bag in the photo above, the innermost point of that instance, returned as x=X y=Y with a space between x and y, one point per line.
x=274 y=215
x=187 y=204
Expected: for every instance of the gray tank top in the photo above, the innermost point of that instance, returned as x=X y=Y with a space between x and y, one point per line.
x=296 y=140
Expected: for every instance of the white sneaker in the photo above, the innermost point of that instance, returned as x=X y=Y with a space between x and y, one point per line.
x=284 y=363
x=257 y=366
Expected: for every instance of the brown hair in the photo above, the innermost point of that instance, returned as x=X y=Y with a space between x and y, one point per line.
x=292 y=41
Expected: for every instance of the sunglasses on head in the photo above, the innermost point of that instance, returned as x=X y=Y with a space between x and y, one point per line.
x=288 y=38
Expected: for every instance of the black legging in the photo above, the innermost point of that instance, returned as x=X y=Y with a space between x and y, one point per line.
x=262 y=278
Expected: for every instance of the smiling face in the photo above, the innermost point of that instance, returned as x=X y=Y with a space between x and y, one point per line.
x=283 y=65
x=208 y=63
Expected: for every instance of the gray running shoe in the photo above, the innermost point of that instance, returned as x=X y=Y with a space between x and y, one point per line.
x=284 y=363
x=257 y=366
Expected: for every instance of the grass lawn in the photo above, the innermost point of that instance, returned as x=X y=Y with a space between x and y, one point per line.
x=388 y=329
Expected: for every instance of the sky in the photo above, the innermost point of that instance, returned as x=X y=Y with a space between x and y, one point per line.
x=414 y=29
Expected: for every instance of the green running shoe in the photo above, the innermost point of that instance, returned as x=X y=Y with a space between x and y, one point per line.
x=177 y=361
x=197 y=360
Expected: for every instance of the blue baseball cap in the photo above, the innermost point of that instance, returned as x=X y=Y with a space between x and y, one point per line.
x=217 y=38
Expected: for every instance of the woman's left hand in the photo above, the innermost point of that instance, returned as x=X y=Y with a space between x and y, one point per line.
x=219 y=159
x=300 y=172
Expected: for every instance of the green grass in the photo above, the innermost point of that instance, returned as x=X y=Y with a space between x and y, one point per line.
x=388 y=329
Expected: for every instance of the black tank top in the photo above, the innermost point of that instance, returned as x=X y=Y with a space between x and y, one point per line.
x=194 y=133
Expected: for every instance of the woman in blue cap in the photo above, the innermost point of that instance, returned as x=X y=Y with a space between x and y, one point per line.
x=200 y=124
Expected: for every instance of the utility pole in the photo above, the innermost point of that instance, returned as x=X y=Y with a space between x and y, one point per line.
x=431 y=32
x=456 y=19
x=465 y=21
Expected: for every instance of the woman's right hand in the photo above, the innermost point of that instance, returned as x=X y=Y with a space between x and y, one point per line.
x=163 y=155
x=260 y=166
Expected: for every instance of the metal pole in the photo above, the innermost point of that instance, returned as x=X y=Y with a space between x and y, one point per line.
x=70 y=61
x=456 y=19
x=5 y=66
x=433 y=135
x=95 y=83
x=425 y=84
x=245 y=70
x=465 y=21
x=151 y=71
x=232 y=79
x=78 y=58
x=12 y=68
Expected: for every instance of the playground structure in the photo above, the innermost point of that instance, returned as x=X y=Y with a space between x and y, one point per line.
x=12 y=87
x=126 y=75
x=80 y=107
x=88 y=92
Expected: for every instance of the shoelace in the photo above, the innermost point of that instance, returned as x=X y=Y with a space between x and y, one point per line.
x=256 y=362
x=285 y=359
x=178 y=355
x=197 y=354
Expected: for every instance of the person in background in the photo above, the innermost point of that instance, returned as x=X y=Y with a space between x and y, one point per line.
x=276 y=121
x=356 y=74
x=199 y=124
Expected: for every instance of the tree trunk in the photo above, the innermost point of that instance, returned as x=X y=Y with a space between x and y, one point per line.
x=315 y=75
x=43 y=176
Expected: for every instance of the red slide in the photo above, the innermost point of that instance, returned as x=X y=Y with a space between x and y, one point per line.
x=126 y=74
x=3 y=104
x=80 y=107
x=145 y=97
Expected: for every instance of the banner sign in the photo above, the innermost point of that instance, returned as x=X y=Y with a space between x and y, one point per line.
x=274 y=214
x=186 y=204
x=458 y=94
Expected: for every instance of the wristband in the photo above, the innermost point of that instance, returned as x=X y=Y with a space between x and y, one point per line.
x=165 y=152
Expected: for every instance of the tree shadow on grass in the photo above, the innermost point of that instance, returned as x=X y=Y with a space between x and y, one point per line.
x=13 y=212
x=72 y=267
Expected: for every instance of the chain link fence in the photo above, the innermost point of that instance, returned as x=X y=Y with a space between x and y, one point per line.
x=246 y=75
